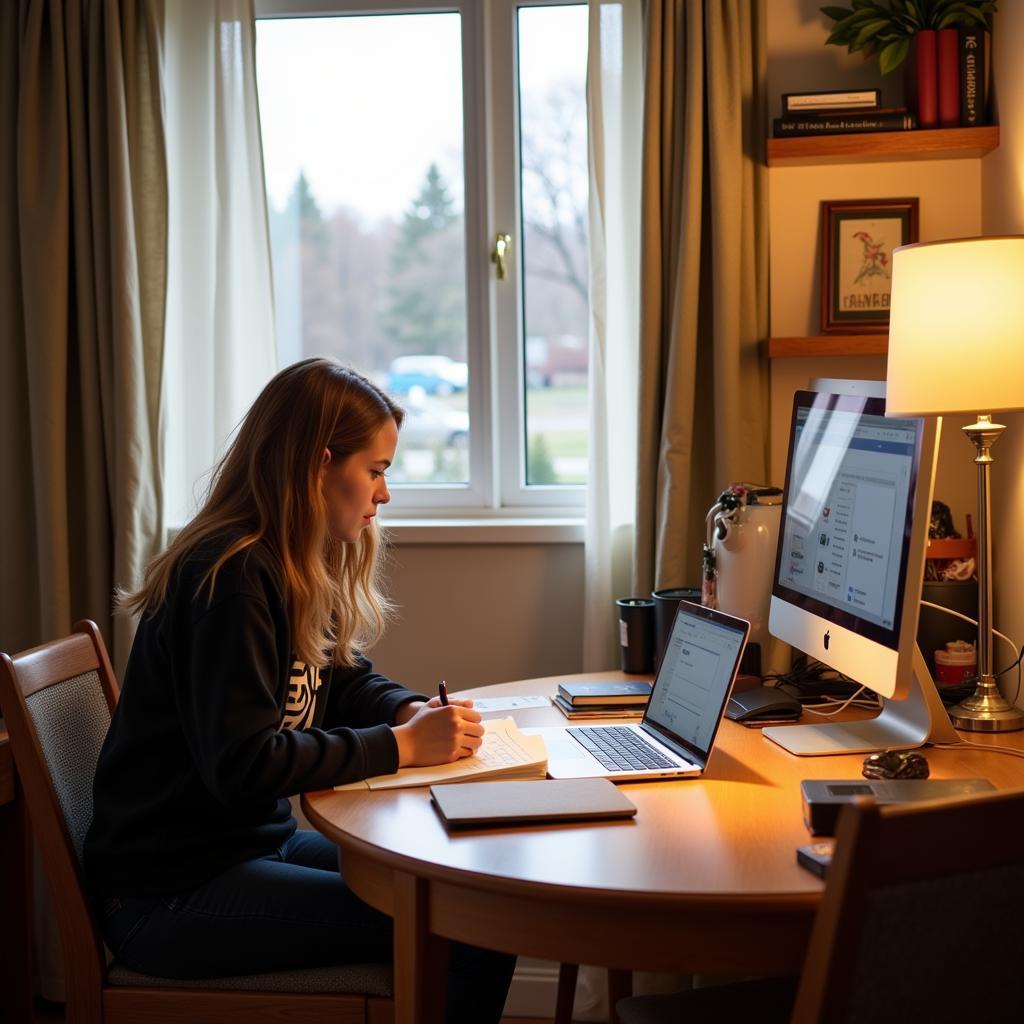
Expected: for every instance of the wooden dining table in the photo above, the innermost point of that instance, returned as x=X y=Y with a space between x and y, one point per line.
x=703 y=880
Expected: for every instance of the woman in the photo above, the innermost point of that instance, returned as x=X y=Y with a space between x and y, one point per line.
x=246 y=685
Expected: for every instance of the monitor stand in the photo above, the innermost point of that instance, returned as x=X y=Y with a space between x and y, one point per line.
x=901 y=724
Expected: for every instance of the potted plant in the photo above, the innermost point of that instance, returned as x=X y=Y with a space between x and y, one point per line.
x=887 y=30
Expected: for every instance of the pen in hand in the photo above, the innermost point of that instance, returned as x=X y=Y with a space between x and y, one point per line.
x=442 y=693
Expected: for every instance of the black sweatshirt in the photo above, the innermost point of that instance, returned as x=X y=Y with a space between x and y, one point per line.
x=217 y=725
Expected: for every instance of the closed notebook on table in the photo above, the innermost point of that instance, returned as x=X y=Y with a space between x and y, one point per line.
x=478 y=804
x=606 y=692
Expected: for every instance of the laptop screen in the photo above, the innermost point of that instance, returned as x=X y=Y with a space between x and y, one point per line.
x=696 y=674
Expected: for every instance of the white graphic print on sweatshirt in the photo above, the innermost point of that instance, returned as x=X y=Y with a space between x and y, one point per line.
x=299 y=709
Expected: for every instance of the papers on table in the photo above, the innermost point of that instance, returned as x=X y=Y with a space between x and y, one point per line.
x=505 y=753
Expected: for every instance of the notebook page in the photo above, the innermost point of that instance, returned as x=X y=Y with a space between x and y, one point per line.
x=505 y=752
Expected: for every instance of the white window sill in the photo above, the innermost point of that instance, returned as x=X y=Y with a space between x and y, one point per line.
x=454 y=530
x=505 y=530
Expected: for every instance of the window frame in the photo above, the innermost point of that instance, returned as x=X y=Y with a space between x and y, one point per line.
x=494 y=309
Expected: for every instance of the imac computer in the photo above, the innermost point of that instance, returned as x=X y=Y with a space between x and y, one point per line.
x=850 y=564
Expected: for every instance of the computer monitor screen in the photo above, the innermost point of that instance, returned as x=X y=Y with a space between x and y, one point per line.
x=854 y=527
x=848 y=513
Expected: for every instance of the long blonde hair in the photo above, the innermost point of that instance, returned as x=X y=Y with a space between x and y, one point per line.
x=267 y=489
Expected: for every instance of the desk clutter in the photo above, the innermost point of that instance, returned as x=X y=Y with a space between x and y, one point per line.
x=603 y=699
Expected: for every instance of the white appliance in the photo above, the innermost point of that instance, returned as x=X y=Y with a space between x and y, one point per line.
x=739 y=565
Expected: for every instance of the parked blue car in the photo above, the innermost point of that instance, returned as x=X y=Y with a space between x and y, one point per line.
x=436 y=375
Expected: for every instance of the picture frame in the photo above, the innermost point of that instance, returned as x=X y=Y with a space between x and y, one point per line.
x=857 y=239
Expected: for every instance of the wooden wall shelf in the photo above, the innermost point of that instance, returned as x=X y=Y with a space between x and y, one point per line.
x=829 y=345
x=929 y=144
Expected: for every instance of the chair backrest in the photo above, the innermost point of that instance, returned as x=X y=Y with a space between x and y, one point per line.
x=57 y=700
x=918 y=897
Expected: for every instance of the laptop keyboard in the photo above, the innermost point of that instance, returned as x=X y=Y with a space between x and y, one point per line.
x=620 y=749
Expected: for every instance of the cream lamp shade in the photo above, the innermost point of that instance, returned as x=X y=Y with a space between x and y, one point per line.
x=956 y=327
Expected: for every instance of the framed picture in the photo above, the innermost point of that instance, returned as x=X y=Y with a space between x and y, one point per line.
x=857 y=240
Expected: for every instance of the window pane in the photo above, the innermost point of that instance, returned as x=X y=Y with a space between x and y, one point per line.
x=553 y=159
x=362 y=138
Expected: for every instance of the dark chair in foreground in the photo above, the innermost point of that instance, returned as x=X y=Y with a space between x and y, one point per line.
x=57 y=700
x=920 y=920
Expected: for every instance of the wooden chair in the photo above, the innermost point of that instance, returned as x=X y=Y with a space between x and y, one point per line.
x=920 y=920
x=57 y=700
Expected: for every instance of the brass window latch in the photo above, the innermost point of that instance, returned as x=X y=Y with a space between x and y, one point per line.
x=502 y=245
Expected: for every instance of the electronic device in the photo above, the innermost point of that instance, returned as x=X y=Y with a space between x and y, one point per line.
x=850 y=563
x=767 y=702
x=816 y=857
x=823 y=799
x=678 y=730
x=500 y=804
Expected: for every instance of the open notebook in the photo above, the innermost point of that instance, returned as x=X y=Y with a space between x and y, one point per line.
x=505 y=753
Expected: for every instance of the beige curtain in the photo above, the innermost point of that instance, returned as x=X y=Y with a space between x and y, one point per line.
x=704 y=276
x=614 y=124
x=83 y=212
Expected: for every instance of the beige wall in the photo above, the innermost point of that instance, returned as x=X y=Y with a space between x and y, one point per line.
x=483 y=613
x=1003 y=214
x=950 y=194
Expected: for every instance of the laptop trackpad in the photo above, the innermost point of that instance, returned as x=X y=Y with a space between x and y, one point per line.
x=566 y=757
x=561 y=746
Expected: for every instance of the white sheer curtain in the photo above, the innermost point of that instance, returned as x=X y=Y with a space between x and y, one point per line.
x=220 y=304
x=614 y=110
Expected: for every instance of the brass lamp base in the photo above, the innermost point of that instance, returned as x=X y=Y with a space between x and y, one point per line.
x=986 y=710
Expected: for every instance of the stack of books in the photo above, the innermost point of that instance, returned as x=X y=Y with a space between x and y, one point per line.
x=602 y=699
x=838 y=113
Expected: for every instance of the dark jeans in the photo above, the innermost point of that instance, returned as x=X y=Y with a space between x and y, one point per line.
x=286 y=911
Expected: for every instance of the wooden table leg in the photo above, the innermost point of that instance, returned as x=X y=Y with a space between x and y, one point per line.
x=421 y=959
x=15 y=909
x=567 y=976
x=620 y=986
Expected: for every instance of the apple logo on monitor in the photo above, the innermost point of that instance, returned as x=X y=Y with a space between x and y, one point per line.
x=826 y=639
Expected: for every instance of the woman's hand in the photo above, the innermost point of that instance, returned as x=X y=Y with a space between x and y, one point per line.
x=438 y=735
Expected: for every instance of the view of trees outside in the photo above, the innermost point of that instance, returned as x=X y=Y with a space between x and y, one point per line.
x=365 y=186
x=553 y=163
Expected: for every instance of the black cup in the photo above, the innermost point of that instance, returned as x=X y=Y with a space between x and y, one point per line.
x=636 y=633
x=666 y=602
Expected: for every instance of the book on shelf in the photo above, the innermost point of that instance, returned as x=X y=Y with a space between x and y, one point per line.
x=947 y=67
x=974 y=77
x=506 y=753
x=831 y=100
x=605 y=692
x=634 y=711
x=845 y=123
x=921 y=79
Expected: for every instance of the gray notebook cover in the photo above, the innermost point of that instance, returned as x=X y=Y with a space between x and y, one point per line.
x=469 y=804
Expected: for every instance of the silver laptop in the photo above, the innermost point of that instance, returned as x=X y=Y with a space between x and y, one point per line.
x=678 y=729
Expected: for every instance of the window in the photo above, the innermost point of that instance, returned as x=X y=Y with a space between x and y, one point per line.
x=384 y=208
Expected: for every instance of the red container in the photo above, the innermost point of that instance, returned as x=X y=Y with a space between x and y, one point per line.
x=925 y=74
x=948 y=75
x=958 y=662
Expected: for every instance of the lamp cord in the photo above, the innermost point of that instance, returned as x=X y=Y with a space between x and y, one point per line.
x=1018 y=655
x=967 y=618
x=980 y=746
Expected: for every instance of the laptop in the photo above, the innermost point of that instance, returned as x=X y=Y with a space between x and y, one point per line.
x=675 y=737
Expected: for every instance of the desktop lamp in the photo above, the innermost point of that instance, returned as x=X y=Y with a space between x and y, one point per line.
x=956 y=345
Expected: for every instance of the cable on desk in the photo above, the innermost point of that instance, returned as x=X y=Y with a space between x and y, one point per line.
x=843 y=705
x=1012 y=751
